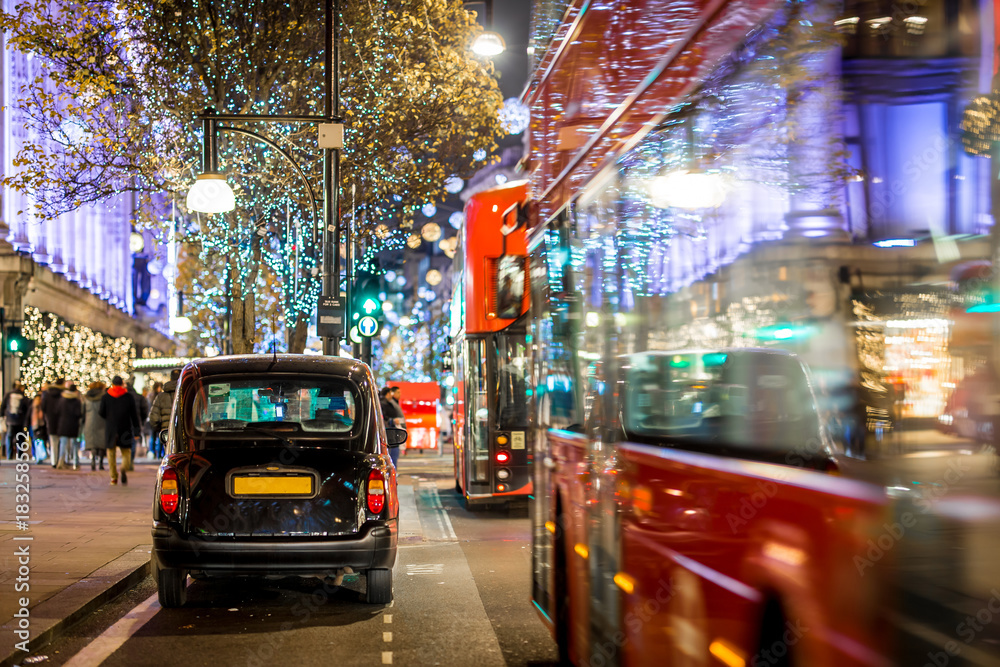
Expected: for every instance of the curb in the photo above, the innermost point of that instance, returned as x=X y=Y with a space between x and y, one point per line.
x=51 y=617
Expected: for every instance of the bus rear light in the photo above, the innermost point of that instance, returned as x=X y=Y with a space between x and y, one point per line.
x=501 y=440
x=501 y=487
x=503 y=457
x=503 y=474
x=376 y=491
x=169 y=498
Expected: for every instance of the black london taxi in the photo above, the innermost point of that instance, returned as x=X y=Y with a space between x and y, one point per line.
x=276 y=465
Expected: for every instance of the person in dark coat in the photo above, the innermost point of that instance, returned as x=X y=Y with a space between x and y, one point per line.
x=159 y=412
x=142 y=412
x=69 y=418
x=50 y=410
x=121 y=422
x=93 y=425
x=393 y=415
x=15 y=413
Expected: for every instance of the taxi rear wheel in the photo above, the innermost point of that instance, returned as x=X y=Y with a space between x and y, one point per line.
x=171 y=587
x=379 y=590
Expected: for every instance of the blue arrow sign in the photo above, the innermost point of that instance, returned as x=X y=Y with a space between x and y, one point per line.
x=368 y=326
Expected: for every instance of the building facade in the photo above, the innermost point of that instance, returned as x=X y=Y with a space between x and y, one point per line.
x=86 y=284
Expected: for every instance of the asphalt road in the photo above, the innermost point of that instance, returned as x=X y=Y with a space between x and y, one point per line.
x=462 y=597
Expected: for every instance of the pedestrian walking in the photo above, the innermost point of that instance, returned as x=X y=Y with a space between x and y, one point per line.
x=159 y=412
x=142 y=412
x=39 y=434
x=69 y=419
x=15 y=411
x=394 y=418
x=387 y=410
x=93 y=425
x=50 y=410
x=121 y=422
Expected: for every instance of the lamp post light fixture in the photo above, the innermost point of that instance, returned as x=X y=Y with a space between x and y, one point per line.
x=488 y=43
x=210 y=192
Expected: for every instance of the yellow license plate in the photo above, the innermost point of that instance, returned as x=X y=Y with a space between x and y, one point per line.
x=273 y=486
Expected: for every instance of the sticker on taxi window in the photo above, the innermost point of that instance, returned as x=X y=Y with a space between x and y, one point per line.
x=218 y=389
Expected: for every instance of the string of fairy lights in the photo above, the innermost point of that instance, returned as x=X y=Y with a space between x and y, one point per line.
x=71 y=351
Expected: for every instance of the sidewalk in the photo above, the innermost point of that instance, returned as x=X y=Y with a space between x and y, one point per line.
x=89 y=542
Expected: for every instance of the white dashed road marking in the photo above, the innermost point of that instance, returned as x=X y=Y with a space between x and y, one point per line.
x=109 y=641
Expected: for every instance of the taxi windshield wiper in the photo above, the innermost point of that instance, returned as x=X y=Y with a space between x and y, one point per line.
x=258 y=429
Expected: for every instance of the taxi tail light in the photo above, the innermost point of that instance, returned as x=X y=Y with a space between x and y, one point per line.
x=503 y=457
x=376 y=491
x=169 y=497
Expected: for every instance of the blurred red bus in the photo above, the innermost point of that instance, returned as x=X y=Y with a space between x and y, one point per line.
x=489 y=349
x=419 y=401
x=724 y=322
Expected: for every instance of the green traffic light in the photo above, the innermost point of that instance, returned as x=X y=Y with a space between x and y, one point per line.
x=370 y=306
x=13 y=345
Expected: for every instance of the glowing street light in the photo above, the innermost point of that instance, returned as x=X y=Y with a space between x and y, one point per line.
x=488 y=43
x=211 y=194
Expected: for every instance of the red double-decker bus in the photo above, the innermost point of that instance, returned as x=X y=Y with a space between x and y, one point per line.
x=489 y=306
x=743 y=334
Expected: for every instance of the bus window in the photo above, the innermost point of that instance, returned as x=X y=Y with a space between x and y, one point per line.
x=512 y=371
x=510 y=286
x=755 y=403
x=478 y=411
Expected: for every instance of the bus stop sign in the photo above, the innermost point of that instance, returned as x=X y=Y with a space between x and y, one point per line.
x=330 y=317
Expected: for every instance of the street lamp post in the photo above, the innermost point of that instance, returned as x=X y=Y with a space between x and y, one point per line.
x=212 y=194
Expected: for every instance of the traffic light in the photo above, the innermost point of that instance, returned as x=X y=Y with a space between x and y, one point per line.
x=16 y=343
x=366 y=305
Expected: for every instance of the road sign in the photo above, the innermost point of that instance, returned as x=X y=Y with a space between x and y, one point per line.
x=330 y=317
x=368 y=326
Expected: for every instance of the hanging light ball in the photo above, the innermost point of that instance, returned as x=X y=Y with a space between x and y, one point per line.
x=136 y=242
x=382 y=231
x=431 y=232
x=429 y=210
x=449 y=246
x=514 y=116
x=456 y=219
x=433 y=277
x=454 y=184
x=479 y=155
x=390 y=275
x=500 y=179
x=414 y=241
x=182 y=325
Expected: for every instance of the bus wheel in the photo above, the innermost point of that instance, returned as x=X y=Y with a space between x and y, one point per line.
x=561 y=591
x=772 y=632
x=458 y=487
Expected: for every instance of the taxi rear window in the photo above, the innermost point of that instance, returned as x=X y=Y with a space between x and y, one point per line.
x=321 y=406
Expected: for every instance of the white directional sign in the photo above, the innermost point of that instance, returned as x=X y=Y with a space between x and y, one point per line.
x=368 y=326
